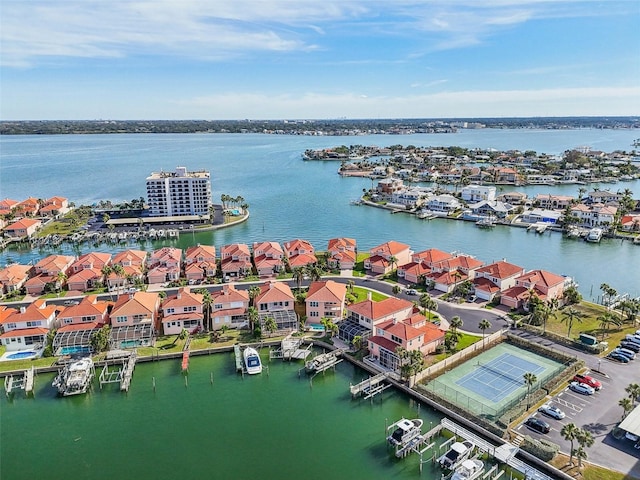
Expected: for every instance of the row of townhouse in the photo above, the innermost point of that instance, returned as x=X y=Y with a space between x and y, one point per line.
x=25 y=225
x=167 y=264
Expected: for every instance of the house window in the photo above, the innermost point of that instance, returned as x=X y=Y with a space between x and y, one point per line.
x=34 y=324
x=67 y=321
x=313 y=304
x=313 y=314
x=217 y=306
x=11 y=326
x=396 y=339
x=91 y=318
x=122 y=319
x=169 y=311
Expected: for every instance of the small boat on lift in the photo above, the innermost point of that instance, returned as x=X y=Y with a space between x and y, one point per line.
x=252 y=361
x=457 y=454
x=468 y=470
x=405 y=431
x=75 y=378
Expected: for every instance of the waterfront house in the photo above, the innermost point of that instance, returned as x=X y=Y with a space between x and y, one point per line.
x=342 y=253
x=200 y=263
x=420 y=265
x=513 y=198
x=325 y=299
x=388 y=186
x=27 y=328
x=446 y=274
x=182 y=311
x=92 y=260
x=133 y=265
x=383 y=258
x=7 y=206
x=77 y=323
x=235 y=260
x=491 y=208
x=628 y=223
x=133 y=319
x=50 y=271
x=596 y=215
x=412 y=333
x=493 y=279
x=444 y=203
x=552 y=202
x=23 y=228
x=54 y=206
x=13 y=277
x=299 y=253
x=28 y=207
x=164 y=265
x=409 y=197
x=477 y=193
x=503 y=175
x=229 y=307
x=603 y=196
x=84 y=280
x=545 y=285
x=276 y=301
x=537 y=215
x=268 y=258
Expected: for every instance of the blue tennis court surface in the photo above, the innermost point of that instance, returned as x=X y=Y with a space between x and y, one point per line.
x=500 y=377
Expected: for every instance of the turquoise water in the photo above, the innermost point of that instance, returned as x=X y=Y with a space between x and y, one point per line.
x=268 y=426
x=290 y=198
x=21 y=355
x=73 y=350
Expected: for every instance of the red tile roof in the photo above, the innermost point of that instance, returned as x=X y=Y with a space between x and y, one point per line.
x=500 y=269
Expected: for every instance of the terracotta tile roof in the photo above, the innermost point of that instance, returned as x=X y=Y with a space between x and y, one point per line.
x=401 y=330
x=229 y=294
x=302 y=259
x=465 y=262
x=542 y=277
x=294 y=246
x=205 y=251
x=381 y=309
x=447 y=277
x=166 y=255
x=184 y=298
x=228 y=312
x=23 y=223
x=25 y=332
x=267 y=248
x=500 y=269
x=341 y=244
x=87 y=306
x=274 y=292
x=235 y=250
x=129 y=256
x=14 y=273
x=143 y=302
x=85 y=275
x=431 y=333
x=327 y=291
x=430 y=256
x=378 y=260
x=389 y=248
x=97 y=259
x=39 y=280
x=416 y=269
x=486 y=285
x=37 y=310
x=384 y=343
x=54 y=263
x=182 y=316
x=344 y=256
x=8 y=203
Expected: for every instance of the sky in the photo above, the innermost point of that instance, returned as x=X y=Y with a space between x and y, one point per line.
x=317 y=59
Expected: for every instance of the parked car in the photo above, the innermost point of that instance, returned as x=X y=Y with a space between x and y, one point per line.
x=411 y=291
x=538 y=425
x=587 y=380
x=582 y=388
x=632 y=338
x=618 y=357
x=623 y=351
x=551 y=411
x=634 y=347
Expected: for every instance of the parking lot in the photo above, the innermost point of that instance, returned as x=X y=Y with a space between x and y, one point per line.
x=599 y=414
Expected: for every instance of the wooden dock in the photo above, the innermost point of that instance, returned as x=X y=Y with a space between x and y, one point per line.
x=370 y=387
x=291 y=349
x=237 y=351
x=124 y=363
x=128 y=372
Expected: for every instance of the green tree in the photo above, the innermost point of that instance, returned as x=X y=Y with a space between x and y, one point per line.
x=633 y=390
x=253 y=317
x=584 y=439
x=606 y=320
x=572 y=296
x=530 y=380
x=428 y=303
x=270 y=325
x=396 y=289
x=100 y=340
x=570 y=316
x=580 y=453
x=627 y=406
x=254 y=291
x=569 y=432
x=298 y=275
x=206 y=306
x=357 y=342
x=455 y=323
x=484 y=325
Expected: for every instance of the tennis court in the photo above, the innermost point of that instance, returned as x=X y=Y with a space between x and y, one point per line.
x=500 y=377
x=493 y=382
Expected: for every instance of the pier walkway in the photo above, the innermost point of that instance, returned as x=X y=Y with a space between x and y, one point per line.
x=124 y=362
x=291 y=349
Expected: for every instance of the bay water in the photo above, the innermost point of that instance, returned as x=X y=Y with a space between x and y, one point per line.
x=290 y=198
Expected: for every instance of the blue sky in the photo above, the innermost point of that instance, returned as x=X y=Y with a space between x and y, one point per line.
x=294 y=59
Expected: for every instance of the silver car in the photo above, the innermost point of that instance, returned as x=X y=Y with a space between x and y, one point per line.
x=582 y=388
x=551 y=411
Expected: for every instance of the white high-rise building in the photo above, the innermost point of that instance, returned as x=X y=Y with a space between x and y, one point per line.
x=179 y=193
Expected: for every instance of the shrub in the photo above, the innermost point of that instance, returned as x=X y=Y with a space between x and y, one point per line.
x=543 y=449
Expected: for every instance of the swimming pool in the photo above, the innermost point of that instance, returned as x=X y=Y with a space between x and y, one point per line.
x=130 y=343
x=316 y=328
x=73 y=350
x=21 y=355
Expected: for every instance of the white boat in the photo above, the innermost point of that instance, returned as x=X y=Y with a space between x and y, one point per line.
x=457 y=453
x=404 y=431
x=75 y=378
x=594 y=235
x=252 y=361
x=468 y=470
x=322 y=362
x=486 y=222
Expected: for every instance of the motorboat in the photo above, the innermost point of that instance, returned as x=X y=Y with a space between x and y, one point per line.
x=468 y=470
x=252 y=361
x=75 y=378
x=457 y=453
x=594 y=235
x=405 y=431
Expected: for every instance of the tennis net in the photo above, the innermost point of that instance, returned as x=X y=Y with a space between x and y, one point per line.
x=501 y=374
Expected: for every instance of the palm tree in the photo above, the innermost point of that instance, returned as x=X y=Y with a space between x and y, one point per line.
x=580 y=454
x=253 y=317
x=254 y=291
x=569 y=432
x=633 y=389
x=585 y=439
x=627 y=406
x=530 y=380
x=315 y=272
x=455 y=323
x=428 y=303
x=350 y=285
x=571 y=315
x=393 y=260
x=206 y=306
x=357 y=342
x=606 y=320
x=483 y=325
x=61 y=278
x=270 y=325
x=298 y=275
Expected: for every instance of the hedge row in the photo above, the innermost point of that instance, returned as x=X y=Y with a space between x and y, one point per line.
x=543 y=449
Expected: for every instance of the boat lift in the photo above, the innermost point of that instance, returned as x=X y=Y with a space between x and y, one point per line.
x=370 y=387
x=121 y=373
x=23 y=381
